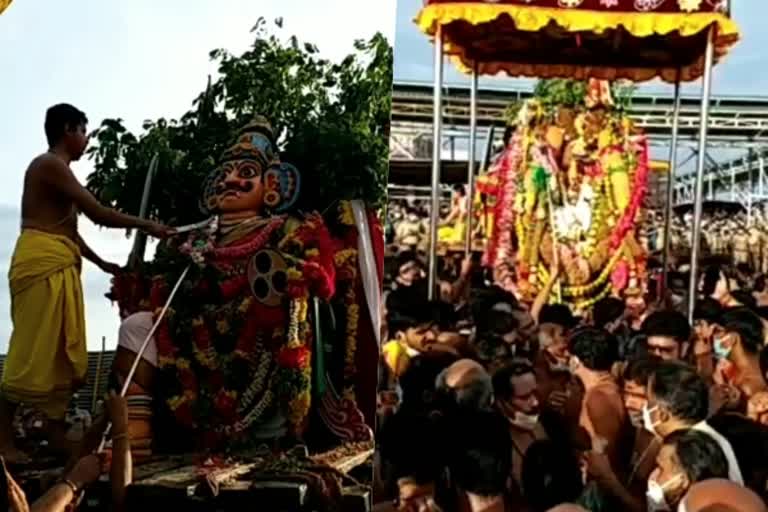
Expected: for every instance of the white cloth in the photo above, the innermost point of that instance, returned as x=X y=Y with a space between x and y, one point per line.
x=133 y=331
x=734 y=472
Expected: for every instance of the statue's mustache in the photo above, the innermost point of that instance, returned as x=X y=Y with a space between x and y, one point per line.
x=233 y=186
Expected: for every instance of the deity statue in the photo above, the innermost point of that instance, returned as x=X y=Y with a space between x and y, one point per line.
x=237 y=358
x=572 y=179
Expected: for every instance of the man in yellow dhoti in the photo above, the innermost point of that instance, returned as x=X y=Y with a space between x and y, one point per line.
x=47 y=358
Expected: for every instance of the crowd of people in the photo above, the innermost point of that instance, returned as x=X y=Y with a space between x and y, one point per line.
x=488 y=404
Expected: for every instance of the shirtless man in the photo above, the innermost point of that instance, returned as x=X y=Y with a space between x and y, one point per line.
x=603 y=416
x=47 y=356
x=738 y=339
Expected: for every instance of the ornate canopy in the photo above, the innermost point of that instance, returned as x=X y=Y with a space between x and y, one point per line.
x=636 y=40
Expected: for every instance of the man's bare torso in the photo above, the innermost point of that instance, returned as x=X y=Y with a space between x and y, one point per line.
x=43 y=207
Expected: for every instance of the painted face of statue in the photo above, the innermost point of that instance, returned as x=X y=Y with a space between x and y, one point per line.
x=239 y=187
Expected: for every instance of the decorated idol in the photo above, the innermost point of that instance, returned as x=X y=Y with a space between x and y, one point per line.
x=232 y=360
x=570 y=188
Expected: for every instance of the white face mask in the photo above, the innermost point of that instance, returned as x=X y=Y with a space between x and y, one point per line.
x=648 y=423
x=636 y=419
x=525 y=421
x=657 y=501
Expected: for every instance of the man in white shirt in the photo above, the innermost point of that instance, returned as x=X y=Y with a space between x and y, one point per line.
x=678 y=399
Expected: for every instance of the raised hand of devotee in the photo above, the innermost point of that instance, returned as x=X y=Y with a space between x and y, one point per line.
x=557 y=400
x=599 y=467
x=17 y=500
x=86 y=471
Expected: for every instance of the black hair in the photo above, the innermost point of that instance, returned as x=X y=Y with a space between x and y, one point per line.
x=459 y=188
x=712 y=275
x=667 y=323
x=597 y=349
x=418 y=380
x=640 y=368
x=707 y=309
x=682 y=390
x=481 y=455
x=507 y=136
x=550 y=475
x=493 y=311
x=761 y=283
x=745 y=298
x=749 y=440
x=502 y=378
x=407 y=308
x=607 y=310
x=60 y=118
x=413 y=446
x=558 y=314
x=701 y=458
x=404 y=257
x=747 y=325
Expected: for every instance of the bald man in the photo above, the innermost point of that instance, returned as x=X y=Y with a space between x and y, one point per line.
x=721 y=496
x=468 y=383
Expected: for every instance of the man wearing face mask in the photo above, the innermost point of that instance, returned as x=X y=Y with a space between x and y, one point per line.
x=678 y=399
x=687 y=457
x=738 y=338
x=515 y=394
x=646 y=445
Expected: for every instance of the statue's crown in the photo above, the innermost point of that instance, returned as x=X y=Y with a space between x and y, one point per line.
x=255 y=141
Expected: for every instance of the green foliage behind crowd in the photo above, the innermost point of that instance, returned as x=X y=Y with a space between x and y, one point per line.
x=331 y=119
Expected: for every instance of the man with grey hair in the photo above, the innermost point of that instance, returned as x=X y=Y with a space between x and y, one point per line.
x=465 y=385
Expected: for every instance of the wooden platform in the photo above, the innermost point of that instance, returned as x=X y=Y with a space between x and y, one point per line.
x=292 y=482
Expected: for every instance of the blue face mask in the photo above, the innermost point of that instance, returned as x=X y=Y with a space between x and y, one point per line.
x=721 y=351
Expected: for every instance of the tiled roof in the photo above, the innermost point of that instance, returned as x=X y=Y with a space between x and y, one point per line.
x=85 y=395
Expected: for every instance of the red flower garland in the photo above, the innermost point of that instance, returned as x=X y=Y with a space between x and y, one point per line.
x=293 y=358
x=504 y=213
x=639 y=189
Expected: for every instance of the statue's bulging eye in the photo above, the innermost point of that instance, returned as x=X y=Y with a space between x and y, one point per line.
x=248 y=172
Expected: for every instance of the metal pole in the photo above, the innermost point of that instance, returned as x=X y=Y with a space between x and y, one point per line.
x=671 y=184
x=761 y=176
x=706 y=91
x=436 y=160
x=733 y=182
x=471 y=167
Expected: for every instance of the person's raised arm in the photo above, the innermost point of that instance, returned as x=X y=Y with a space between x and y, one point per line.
x=543 y=297
x=60 y=496
x=57 y=174
x=121 y=471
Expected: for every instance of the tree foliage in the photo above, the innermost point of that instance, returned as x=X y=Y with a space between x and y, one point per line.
x=331 y=119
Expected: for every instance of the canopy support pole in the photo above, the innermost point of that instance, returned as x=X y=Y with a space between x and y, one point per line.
x=671 y=184
x=437 y=139
x=469 y=225
x=706 y=91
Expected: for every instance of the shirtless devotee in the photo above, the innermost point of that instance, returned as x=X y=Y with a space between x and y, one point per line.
x=603 y=416
x=47 y=356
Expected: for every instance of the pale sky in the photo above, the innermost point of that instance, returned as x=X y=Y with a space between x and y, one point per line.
x=134 y=60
